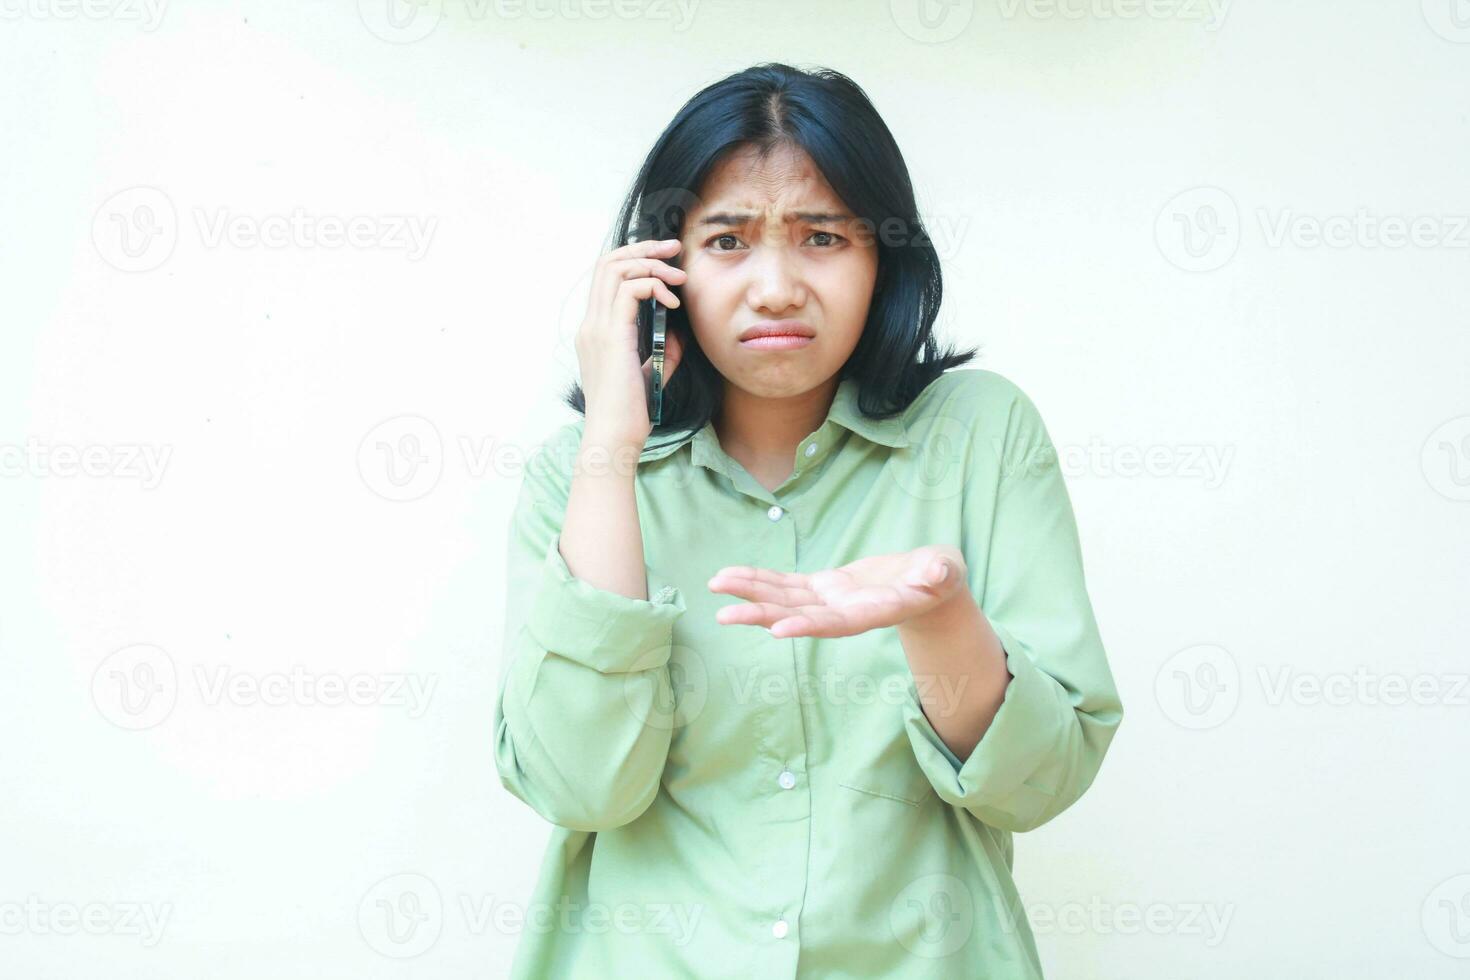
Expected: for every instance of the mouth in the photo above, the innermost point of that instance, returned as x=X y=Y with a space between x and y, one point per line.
x=777 y=335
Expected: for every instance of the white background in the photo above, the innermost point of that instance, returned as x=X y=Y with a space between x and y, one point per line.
x=301 y=456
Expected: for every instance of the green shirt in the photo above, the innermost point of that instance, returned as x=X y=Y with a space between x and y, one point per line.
x=732 y=804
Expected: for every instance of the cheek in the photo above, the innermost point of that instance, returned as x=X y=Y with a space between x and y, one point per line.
x=847 y=288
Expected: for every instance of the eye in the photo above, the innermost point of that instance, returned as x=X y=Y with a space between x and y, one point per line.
x=720 y=238
x=835 y=238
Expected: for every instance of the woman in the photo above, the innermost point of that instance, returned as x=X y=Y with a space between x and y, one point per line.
x=788 y=677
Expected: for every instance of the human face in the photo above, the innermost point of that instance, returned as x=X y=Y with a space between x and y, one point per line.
x=770 y=241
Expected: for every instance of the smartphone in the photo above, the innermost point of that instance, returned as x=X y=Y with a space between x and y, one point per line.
x=656 y=315
x=656 y=387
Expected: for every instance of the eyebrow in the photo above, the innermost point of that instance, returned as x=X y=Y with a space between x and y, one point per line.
x=737 y=219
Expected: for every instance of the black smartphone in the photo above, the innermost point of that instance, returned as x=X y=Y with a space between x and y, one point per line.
x=655 y=315
x=656 y=386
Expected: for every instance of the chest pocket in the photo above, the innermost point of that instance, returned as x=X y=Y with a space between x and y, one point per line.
x=876 y=755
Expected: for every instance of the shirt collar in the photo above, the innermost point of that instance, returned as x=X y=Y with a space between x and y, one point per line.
x=705 y=444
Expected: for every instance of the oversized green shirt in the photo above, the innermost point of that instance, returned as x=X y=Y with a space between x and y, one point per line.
x=732 y=804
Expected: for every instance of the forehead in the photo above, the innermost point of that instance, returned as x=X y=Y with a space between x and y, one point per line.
x=786 y=178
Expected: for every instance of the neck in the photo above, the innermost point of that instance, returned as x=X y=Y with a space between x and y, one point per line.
x=768 y=430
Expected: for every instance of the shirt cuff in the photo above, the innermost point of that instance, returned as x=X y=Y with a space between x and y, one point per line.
x=1021 y=736
x=609 y=632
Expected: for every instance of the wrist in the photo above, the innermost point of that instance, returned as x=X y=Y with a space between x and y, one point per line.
x=608 y=451
x=956 y=611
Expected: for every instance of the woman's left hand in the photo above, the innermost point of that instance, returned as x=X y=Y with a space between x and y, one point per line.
x=884 y=590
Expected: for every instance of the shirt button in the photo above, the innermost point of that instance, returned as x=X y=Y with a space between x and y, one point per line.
x=780 y=929
x=775 y=513
x=811 y=450
x=787 y=779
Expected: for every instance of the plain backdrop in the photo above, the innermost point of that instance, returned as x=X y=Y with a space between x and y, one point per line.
x=288 y=293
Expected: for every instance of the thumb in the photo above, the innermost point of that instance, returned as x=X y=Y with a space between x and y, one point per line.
x=939 y=571
x=931 y=574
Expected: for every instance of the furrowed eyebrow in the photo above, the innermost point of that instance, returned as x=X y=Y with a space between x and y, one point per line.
x=738 y=219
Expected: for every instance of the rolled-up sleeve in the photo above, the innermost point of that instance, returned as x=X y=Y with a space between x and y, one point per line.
x=578 y=727
x=1061 y=706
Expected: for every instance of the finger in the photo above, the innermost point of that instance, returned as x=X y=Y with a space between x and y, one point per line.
x=931 y=574
x=751 y=614
x=631 y=292
x=820 y=621
x=757 y=591
x=652 y=246
x=619 y=264
x=789 y=580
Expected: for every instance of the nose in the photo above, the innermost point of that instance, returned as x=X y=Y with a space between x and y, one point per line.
x=775 y=284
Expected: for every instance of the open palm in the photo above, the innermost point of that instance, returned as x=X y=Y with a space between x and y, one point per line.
x=870 y=593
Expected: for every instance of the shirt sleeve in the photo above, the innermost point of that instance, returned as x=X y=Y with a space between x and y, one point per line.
x=1061 y=706
x=577 y=721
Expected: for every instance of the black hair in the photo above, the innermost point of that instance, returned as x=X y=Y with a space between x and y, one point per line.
x=823 y=112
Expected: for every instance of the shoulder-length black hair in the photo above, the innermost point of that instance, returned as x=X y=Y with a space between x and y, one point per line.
x=826 y=114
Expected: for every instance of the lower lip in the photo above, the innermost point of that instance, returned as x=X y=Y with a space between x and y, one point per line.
x=779 y=342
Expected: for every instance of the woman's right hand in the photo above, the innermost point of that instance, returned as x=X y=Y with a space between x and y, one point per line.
x=614 y=383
